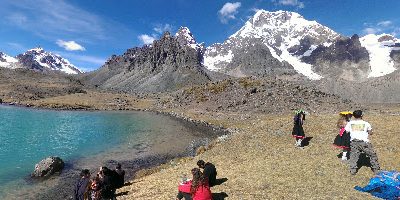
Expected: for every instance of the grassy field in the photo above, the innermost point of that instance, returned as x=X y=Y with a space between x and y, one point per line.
x=260 y=161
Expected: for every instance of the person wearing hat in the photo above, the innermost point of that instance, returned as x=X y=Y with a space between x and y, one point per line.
x=359 y=131
x=342 y=140
x=298 y=131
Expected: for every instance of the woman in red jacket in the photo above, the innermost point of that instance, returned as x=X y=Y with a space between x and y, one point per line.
x=196 y=189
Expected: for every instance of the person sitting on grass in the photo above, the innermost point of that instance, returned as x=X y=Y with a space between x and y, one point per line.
x=196 y=189
x=95 y=191
x=209 y=171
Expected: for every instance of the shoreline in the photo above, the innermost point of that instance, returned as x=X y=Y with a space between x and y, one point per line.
x=143 y=165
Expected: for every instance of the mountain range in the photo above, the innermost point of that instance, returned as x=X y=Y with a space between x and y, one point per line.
x=38 y=59
x=277 y=44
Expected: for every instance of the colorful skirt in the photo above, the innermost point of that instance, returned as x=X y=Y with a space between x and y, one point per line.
x=298 y=132
x=343 y=141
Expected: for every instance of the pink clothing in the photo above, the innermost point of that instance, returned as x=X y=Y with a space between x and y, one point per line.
x=203 y=192
x=341 y=131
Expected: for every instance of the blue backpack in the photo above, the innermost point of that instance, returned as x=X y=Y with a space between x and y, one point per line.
x=385 y=185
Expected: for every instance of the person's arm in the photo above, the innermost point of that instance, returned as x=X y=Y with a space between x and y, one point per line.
x=369 y=129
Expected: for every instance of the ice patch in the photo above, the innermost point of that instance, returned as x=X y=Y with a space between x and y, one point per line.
x=211 y=62
x=300 y=67
x=379 y=56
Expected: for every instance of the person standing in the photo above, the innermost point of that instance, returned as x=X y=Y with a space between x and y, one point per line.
x=342 y=140
x=82 y=185
x=209 y=171
x=298 y=131
x=359 y=142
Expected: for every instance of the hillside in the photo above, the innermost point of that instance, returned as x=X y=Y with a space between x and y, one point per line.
x=21 y=85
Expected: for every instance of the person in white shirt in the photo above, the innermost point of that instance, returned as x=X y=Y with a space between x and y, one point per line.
x=359 y=142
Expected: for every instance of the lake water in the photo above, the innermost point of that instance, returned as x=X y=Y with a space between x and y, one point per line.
x=83 y=140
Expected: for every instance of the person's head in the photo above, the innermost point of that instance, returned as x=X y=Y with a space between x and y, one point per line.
x=201 y=164
x=198 y=179
x=357 y=114
x=85 y=173
x=118 y=166
x=341 y=123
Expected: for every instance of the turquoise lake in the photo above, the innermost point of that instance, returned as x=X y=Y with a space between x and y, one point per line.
x=86 y=139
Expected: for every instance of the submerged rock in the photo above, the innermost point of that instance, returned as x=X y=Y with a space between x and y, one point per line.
x=48 y=167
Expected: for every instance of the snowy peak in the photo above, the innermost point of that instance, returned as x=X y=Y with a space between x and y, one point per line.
x=6 y=58
x=7 y=61
x=287 y=35
x=41 y=60
x=379 y=48
x=285 y=28
x=186 y=38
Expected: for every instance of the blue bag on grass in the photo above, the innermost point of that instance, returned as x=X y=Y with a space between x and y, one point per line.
x=385 y=185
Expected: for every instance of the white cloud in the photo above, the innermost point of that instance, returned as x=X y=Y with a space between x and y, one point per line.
x=385 y=26
x=295 y=3
x=385 y=23
x=228 y=11
x=49 y=18
x=146 y=39
x=371 y=30
x=52 y=20
x=70 y=45
x=160 y=28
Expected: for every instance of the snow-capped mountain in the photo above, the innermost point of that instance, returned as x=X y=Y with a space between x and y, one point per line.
x=8 y=61
x=41 y=60
x=286 y=35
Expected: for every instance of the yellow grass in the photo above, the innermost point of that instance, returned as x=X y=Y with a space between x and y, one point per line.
x=261 y=162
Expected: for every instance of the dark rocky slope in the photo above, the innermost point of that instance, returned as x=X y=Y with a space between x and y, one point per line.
x=166 y=65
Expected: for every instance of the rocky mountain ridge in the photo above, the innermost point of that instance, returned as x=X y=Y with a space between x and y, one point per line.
x=38 y=59
x=167 y=64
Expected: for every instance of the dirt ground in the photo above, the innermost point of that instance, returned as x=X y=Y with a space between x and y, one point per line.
x=260 y=161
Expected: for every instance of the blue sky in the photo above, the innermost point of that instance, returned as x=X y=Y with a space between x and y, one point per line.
x=88 y=32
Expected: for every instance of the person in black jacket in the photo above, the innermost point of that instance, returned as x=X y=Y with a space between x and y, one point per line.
x=120 y=177
x=82 y=185
x=108 y=179
x=209 y=171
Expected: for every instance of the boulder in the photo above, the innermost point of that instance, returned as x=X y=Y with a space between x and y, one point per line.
x=48 y=167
